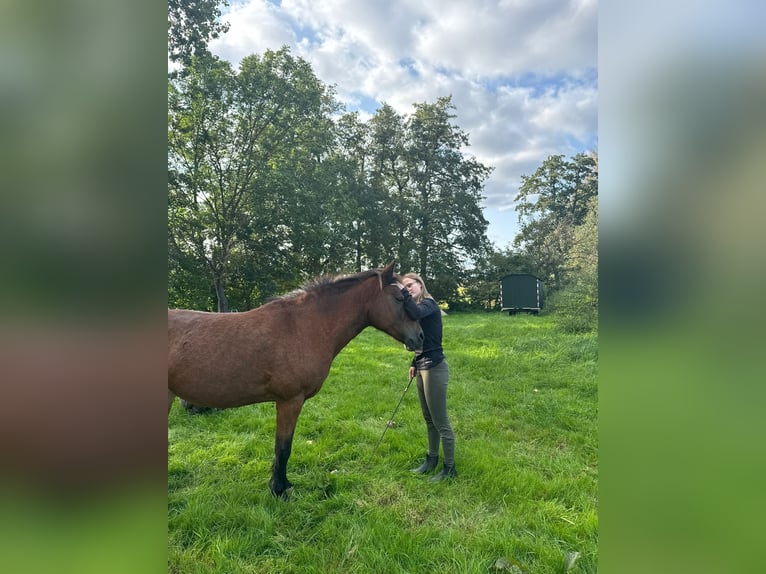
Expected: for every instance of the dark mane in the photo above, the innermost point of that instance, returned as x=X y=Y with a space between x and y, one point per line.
x=331 y=283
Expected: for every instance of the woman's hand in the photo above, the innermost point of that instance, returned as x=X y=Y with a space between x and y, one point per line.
x=412 y=372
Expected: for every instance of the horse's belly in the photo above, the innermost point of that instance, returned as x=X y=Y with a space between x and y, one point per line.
x=220 y=391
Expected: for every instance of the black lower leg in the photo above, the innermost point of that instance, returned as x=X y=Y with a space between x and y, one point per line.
x=279 y=483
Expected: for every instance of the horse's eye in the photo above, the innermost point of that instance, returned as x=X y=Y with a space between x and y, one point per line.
x=399 y=298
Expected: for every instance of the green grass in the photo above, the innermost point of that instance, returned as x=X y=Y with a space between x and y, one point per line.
x=523 y=404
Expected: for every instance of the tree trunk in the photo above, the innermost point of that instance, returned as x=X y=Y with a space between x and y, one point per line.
x=358 y=253
x=223 y=302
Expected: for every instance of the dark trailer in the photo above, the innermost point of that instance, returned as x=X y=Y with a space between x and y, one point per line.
x=521 y=292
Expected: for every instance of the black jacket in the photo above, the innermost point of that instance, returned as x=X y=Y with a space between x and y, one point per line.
x=430 y=317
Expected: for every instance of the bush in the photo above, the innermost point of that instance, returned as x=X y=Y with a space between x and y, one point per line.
x=576 y=306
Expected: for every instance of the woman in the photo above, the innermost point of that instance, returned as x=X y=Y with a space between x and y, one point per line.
x=432 y=373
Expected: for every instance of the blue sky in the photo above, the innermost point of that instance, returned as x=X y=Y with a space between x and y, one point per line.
x=522 y=73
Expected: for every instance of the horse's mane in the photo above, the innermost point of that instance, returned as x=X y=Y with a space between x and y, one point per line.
x=331 y=283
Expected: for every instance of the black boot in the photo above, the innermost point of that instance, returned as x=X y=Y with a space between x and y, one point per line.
x=428 y=465
x=447 y=472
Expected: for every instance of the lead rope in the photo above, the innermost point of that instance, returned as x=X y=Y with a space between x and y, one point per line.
x=391 y=420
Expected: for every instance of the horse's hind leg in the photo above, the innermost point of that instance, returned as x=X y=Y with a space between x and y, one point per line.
x=287 y=416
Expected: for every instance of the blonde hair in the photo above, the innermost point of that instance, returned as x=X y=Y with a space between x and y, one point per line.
x=424 y=294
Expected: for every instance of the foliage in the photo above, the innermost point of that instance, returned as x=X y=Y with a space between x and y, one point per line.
x=413 y=194
x=269 y=186
x=577 y=302
x=191 y=24
x=244 y=151
x=269 y=183
x=576 y=305
x=449 y=226
x=551 y=204
x=582 y=256
x=526 y=451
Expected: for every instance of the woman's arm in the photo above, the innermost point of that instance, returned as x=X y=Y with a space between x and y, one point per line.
x=418 y=310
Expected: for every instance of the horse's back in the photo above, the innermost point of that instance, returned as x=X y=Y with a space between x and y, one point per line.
x=201 y=334
x=183 y=318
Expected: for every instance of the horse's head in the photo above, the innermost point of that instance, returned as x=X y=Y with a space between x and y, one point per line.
x=387 y=312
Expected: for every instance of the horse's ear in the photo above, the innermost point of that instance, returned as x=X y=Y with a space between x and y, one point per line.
x=388 y=273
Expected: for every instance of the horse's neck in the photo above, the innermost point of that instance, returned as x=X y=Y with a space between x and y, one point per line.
x=350 y=316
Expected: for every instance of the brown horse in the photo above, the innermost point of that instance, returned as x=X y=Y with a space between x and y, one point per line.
x=281 y=351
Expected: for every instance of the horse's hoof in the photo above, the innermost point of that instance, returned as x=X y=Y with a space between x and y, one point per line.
x=281 y=491
x=282 y=495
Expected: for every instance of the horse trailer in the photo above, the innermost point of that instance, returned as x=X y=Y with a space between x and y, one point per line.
x=521 y=292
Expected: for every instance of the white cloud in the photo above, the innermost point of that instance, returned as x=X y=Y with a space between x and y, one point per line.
x=254 y=27
x=573 y=111
x=522 y=73
x=383 y=26
x=487 y=38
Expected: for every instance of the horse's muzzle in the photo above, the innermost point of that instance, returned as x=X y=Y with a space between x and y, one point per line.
x=413 y=344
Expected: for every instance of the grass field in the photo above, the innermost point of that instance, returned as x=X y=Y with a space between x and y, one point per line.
x=523 y=404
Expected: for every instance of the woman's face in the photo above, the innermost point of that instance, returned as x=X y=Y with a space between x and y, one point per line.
x=412 y=286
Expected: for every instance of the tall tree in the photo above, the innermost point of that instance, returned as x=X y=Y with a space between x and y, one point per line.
x=198 y=232
x=551 y=203
x=391 y=186
x=241 y=153
x=356 y=201
x=449 y=227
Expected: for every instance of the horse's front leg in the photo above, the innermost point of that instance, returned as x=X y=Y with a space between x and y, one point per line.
x=287 y=416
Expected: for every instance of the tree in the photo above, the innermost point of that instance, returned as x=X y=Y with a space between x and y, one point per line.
x=391 y=187
x=266 y=188
x=426 y=194
x=576 y=303
x=551 y=203
x=242 y=154
x=191 y=25
x=364 y=229
x=582 y=258
x=198 y=233
x=449 y=225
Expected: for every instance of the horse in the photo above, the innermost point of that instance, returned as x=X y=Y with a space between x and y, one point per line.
x=282 y=351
